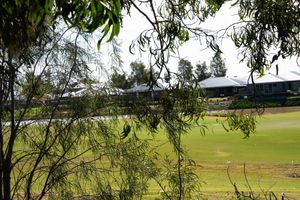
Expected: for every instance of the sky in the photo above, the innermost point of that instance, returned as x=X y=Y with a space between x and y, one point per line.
x=192 y=50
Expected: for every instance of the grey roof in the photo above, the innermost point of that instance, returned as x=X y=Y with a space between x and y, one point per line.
x=241 y=81
x=298 y=73
x=290 y=76
x=271 y=78
x=216 y=82
x=267 y=78
x=145 y=87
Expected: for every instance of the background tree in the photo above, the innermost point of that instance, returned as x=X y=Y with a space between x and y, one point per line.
x=120 y=80
x=217 y=65
x=139 y=73
x=185 y=71
x=202 y=72
x=40 y=88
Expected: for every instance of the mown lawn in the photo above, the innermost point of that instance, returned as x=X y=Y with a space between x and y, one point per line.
x=271 y=156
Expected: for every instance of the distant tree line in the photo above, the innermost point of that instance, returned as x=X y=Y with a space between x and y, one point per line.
x=139 y=75
x=186 y=72
x=189 y=74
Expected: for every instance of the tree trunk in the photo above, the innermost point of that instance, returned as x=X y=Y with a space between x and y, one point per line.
x=8 y=157
x=1 y=141
x=1 y=151
x=6 y=181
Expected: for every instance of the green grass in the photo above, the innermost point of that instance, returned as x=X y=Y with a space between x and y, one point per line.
x=268 y=155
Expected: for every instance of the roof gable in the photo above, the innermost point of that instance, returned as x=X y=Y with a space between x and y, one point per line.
x=145 y=87
x=216 y=82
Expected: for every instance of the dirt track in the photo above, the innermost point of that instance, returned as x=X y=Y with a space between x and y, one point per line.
x=275 y=110
x=281 y=110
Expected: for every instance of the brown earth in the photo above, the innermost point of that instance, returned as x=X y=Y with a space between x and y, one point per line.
x=275 y=110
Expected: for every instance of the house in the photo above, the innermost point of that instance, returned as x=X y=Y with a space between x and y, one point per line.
x=268 y=85
x=144 y=92
x=271 y=84
x=221 y=86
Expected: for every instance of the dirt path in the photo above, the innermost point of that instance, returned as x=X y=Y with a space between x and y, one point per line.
x=275 y=110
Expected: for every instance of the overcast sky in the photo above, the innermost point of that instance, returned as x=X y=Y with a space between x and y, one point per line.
x=192 y=50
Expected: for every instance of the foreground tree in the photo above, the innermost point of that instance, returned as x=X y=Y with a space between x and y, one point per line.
x=27 y=23
x=268 y=27
x=29 y=39
x=49 y=160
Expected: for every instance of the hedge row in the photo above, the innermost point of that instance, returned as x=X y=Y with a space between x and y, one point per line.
x=243 y=104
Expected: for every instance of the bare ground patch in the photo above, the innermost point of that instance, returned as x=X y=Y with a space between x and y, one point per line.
x=275 y=110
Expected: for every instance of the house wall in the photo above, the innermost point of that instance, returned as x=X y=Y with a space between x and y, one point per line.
x=147 y=96
x=265 y=89
x=294 y=86
x=222 y=92
x=275 y=89
x=269 y=89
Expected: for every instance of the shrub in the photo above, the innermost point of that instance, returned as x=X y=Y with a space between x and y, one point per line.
x=243 y=104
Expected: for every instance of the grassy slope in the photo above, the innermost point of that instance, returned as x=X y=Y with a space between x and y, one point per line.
x=268 y=155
